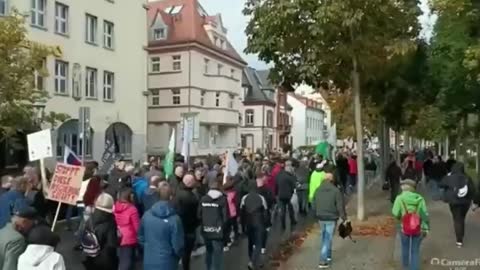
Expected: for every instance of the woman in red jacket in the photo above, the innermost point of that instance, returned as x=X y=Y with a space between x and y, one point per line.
x=128 y=222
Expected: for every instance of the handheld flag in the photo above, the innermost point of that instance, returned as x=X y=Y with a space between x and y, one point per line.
x=69 y=157
x=170 y=157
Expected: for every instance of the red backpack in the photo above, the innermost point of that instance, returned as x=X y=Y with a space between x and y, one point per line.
x=411 y=222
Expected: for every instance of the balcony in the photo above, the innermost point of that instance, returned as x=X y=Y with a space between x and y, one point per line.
x=284 y=128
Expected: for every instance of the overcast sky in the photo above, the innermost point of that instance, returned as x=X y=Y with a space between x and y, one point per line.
x=235 y=22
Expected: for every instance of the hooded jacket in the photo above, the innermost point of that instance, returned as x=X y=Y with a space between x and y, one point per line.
x=315 y=181
x=214 y=214
x=413 y=202
x=328 y=203
x=285 y=185
x=128 y=222
x=12 y=245
x=186 y=204
x=303 y=175
x=41 y=257
x=149 y=199
x=161 y=236
x=254 y=208
x=456 y=180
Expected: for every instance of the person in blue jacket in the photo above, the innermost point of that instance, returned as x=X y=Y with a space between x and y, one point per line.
x=161 y=234
x=13 y=199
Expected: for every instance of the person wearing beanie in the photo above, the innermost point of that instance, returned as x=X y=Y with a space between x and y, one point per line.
x=128 y=222
x=186 y=204
x=103 y=224
x=40 y=253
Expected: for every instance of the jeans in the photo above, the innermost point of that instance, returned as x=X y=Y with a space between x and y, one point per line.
x=327 y=229
x=284 y=204
x=369 y=177
x=126 y=258
x=187 y=250
x=255 y=241
x=302 y=200
x=410 y=252
x=459 y=213
x=231 y=226
x=214 y=255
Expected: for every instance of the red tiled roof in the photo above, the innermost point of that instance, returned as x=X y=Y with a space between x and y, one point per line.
x=186 y=26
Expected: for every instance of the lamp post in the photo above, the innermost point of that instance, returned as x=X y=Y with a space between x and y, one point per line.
x=39 y=114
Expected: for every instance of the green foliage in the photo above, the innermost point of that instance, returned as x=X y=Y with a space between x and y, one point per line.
x=19 y=60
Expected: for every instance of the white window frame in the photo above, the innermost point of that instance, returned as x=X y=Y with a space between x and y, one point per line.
x=61 y=76
x=61 y=18
x=177 y=62
x=232 y=73
x=219 y=69
x=3 y=7
x=155 y=62
x=91 y=29
x=38 y=77
x=108 y=34
x=206 y=62
x=159 y=33
x=155 y=97
x=249 y=117
x=202 y=97
x=38 y=10
x=108 y=85
x=230 y=102
x=176 y=100
x=91 y=83
x=217 y=99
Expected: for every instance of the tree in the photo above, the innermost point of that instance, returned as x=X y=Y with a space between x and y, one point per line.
x=345 y=41
x=20 y=59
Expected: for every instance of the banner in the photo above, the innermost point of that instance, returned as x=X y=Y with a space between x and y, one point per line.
x=66 y=183
x=39 y=145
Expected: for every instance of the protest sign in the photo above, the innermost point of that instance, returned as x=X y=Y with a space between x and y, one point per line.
x=66 y=183
x=39 y=145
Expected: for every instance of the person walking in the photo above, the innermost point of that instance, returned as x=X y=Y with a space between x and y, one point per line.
x=268 y=196
x=186 y=204
x=161 y=233
x=128 y=222
x=329 y=206
x=12 y=237
x=102 y=225
x=303 y=176
x=151 y=195
x=40 y=253
x=438 y=172
x=459 y=193
x=352 y=172
x=286 y=182
x=410 y=209
x=394 y=175
x=213 y=212
x=316 y=180
x=254 y=208
x=177 y=178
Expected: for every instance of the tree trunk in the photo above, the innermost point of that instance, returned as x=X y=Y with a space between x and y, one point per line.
x=447 y=148
x=382 y=145
x=359 y=133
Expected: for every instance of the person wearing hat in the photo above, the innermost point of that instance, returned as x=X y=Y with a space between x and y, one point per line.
x=408 y=202
x=40 y=253
x=103 y=224
x=12 y=237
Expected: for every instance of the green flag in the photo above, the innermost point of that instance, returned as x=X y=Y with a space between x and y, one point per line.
x=170 y=157
x=322 y=149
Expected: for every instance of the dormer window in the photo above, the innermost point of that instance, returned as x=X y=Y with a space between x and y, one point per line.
x=159 y=33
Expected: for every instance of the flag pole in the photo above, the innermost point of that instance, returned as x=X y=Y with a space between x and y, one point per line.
x=225 y=174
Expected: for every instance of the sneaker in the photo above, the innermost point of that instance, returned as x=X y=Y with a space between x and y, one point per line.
x=250 y=266
x=264 y=251
x=225 y=249
x=329 y=260
x=459 y=244
x=323 y=265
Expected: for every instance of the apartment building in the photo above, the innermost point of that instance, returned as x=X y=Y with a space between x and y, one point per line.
x=193 y=70
x=101 y=64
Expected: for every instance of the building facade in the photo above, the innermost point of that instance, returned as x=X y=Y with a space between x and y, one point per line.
x=195 y=71
x=308 y=127
x=101 y=64
x=310 y=93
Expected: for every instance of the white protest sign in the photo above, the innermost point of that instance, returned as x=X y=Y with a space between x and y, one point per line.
x=39 y=145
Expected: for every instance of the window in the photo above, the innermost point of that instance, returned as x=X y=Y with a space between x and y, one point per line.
x=155 y=64
x=108 y=34
x=176 y=96
x=3 y=7
x=220 y=69
x=39 y=82
x=249 y=117
x=91 y=29
x=177 y=62
x=91 y=83
x=159 y=33
x=217 y=99
x=155 y=97
x=61 y=77
x=269 y=119
x=207 y=63
x=37 y=13
x=108 y=85
x=232 y=73
x=122 y=134
x=67 y=135
x=61 y=18
x=230 y=103
x=202 y=98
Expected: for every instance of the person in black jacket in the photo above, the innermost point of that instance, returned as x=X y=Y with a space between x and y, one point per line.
x=460 y=191
x=213 y=212
x=449 y=164
x=186 y=204
x=394 y=175
x=254 y=208
x=285 y=182
x=103 y=224
x=343 y=170
x=270 y=198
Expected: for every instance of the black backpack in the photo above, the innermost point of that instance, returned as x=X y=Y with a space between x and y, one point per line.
x=89 y=241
